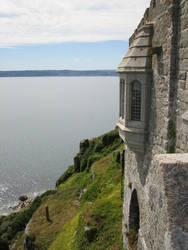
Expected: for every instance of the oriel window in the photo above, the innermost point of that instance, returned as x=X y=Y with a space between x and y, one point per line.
x=136 y=101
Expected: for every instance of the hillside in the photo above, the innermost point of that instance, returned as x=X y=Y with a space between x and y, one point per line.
x=85 y=209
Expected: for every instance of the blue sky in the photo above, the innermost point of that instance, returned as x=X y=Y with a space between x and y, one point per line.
x=69 y=55
x=64 y=34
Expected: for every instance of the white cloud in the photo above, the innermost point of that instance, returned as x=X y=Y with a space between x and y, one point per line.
x=54 y=21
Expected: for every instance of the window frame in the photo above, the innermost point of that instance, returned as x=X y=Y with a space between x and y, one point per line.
x=136 y=107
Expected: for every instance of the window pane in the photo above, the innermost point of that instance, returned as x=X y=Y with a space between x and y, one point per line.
x=136 y=101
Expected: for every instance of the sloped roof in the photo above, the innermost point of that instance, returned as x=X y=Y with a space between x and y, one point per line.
x=138 y=57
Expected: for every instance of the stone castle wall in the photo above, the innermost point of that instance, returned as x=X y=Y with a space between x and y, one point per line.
x=167 y=133
x=182 y=79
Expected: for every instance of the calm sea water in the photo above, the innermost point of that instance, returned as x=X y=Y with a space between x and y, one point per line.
x=42 y=121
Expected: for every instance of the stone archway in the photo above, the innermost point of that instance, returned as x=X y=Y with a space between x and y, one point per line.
x=134 y=221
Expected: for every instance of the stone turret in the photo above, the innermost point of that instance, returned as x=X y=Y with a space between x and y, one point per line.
x=135 y=87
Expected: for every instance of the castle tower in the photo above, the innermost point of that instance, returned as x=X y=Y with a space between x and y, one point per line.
x=153 y=123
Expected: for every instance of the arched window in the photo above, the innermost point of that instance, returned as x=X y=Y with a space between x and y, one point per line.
x=136 y=101
x=134 y=221
x=134 y=213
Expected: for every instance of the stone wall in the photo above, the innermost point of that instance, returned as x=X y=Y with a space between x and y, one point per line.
x=182 y=79
x=163 y=203
x=160 y=226
x=170 y=72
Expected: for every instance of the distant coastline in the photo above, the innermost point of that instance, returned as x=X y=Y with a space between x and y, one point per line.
x=67 y=73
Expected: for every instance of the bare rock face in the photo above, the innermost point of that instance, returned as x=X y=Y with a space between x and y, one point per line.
x=77 y=163
x=23 y=198
x=84 y=144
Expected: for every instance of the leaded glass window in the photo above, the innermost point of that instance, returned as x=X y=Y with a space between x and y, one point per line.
x=136 y=101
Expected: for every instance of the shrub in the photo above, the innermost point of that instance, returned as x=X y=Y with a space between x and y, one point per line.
x=47 y=193
x=108 y=138
x=4 y=244
x=99 y=145
x=92 y=159
x=91 y=193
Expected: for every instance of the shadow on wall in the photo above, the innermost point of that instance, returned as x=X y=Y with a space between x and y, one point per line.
x=134 y=221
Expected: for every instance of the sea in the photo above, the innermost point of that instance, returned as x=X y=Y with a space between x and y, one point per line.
x=42 y=121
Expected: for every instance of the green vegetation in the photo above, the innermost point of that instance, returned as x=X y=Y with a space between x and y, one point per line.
x=65 y=175
x=11 y=226
x=172 y=130
x=171 y=150
x=86 y=209
x=172 y=136
x=132 y=236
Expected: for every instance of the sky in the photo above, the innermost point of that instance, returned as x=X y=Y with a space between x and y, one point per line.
x=64 y=34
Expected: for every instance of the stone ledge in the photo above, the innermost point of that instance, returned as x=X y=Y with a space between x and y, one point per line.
x=185 y=116
x=131 y=129
x=173 y=159
x=174 y=169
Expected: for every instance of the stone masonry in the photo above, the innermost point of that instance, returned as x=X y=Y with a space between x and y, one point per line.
x=154 y=126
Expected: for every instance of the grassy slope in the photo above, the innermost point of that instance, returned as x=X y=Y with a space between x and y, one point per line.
x=12 y=226
x=99 y=209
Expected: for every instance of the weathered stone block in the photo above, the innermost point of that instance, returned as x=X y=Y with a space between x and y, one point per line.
x=187 y=81
x=182 y=75
x=185 y=53
x=182 y=84
x=184 y=64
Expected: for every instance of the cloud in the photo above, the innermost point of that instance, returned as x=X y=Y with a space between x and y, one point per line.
x=4 y=15
x=46 y=21
x=76 y=59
